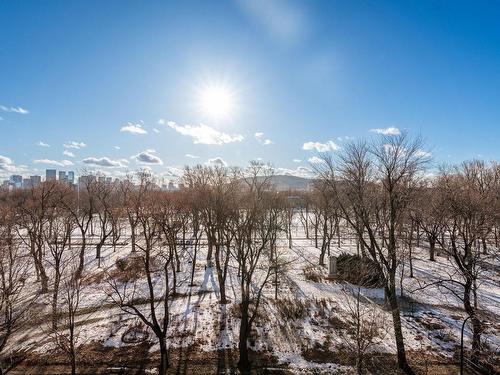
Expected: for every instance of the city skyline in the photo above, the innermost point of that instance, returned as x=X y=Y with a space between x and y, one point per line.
x=277 y=82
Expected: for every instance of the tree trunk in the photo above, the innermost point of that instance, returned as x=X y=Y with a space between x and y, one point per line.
x=132 y=237
x=432 y=247
x=398 y=332
x=193 y=268
x=44 y=279
x=244 y=362
x=476 y=323
x=81 y=257
x=220 y=274
x=163 y=357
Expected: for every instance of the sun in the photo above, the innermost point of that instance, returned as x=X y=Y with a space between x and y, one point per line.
x=216 y=101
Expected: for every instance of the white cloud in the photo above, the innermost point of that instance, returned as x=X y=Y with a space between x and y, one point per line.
x=321 y=147
x=42 y=144
x=103 y=162
x=6 y=164
x=217 y=161
x=7 y=167
x=156 y=130
x=116 y=147
x=133 y=128
x=297 y=160
x=68 y=153
x=204 y=134
x=259 y=136
x=191 y=156
x=62 y=163
x=161 y=122
x=386 y=131
x=19 y=110
x=75 y=145
x=147 y=157
x=315 y=160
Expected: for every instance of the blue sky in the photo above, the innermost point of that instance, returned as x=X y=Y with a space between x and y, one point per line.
x=116 y=85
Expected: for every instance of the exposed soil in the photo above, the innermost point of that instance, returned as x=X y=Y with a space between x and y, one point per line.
x=137 y=359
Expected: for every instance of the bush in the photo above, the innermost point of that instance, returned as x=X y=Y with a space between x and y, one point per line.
x=292 y=309
x=359 y=271
x=312 y=274
x=128 y=269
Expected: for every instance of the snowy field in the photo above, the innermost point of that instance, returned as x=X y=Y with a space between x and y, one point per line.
x=432 y=317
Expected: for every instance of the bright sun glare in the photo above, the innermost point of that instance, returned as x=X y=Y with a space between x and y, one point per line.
x=216 y=101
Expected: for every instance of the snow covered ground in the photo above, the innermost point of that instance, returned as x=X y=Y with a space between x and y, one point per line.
x=431 y=322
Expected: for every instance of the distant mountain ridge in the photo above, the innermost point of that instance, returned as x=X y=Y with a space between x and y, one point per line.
x=289 y=182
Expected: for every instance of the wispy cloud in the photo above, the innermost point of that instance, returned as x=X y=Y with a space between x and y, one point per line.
x=19 y=110
x=297 y=160
x=42 y=144
x=133 y=128
x=259 y=136
x=284 y=20
x=425 y=154
x=345 y=138
x=74 y=144
x=217 y=161
x=103 y=162
x=156 y=130
x=61 y=163
x=68 y=153
x=191 y=156
x=116 y=147
x=147 y=157
x=386 y=131
x=321 y=147
x=315 y=160
x=203 y=134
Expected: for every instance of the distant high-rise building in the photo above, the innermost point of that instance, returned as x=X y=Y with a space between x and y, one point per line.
x=84 y=181
x=62 y=176
x=50 y=174
x=71 y=177
x=26 y=183
x=35 y=180
x=16 y=180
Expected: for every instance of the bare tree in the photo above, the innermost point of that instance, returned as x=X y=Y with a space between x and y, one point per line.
x=103 y=195
x=253 y=229
x=150 y=304
x=15 y=296
x=366 y=325
x=57 y=237
x=467 y=207
x=32 y=207
x=67 y=336
x=374 y=184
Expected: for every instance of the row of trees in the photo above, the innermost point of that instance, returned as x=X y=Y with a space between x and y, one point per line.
x=387 y=199
x=376 y=192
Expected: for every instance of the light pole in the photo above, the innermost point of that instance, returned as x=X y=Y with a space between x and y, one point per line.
x=462 y=347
